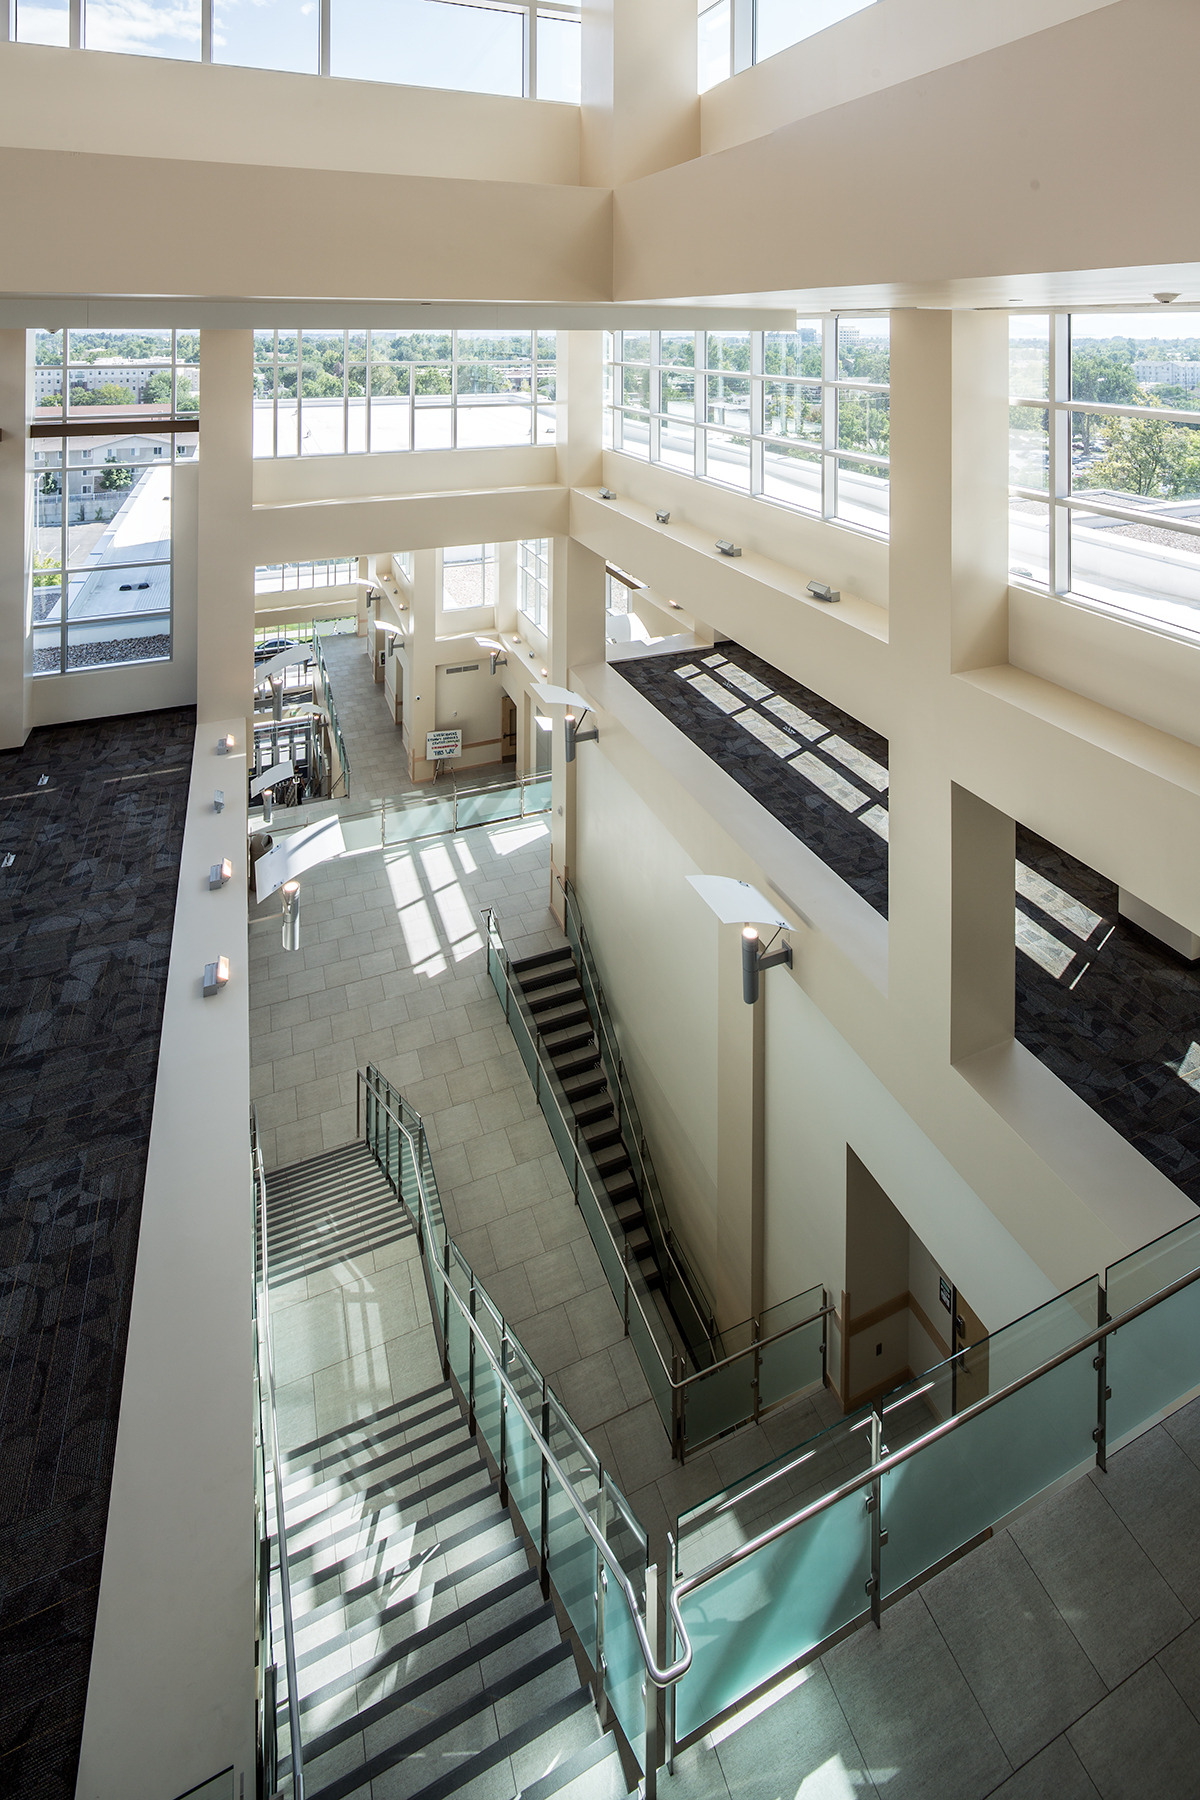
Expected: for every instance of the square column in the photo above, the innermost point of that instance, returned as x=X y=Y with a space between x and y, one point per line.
x=641 y=111
x=225 y=560
x=576 y=637
x=420 y=688
x=16 y=642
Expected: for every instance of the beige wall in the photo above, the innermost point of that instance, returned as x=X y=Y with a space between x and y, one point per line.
x=990 y=146
x=211 y=113
x=873 y=49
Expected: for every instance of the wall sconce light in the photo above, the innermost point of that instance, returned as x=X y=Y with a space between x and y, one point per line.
x=575 y=736
x=754 y=961
x=662 y=515
x=291 y=915
x=731 y=900
x=516 y=637
x=220 y=873
x=498 y=656
x=821 y=591
x=216 y=976
x=607 y=494
x=545 y=672
x=728 y=549
x=675 y=604
x=225 y=744
x=219 y=800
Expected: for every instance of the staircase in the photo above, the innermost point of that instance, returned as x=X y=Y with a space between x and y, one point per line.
x=554 y=994
x=428 y=1663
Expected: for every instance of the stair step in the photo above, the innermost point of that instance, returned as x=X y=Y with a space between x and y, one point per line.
x=630 y=1214
x=611 y=1159
x=589 y=1099
x=568 y=993
x=561 y=1021
x=622 y=1187
x=639 y=1241
x=563 y=954
x=557 y=1042
x=601 y=1135
x=593 y=1773
x=576 y=1062
x=540 y=979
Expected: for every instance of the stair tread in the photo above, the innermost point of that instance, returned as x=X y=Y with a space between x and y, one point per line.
x=541 y=959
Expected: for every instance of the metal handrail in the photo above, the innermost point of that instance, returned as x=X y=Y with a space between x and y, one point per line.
x=648 y=1181
x=896 y=1457
x=489 y=914
x=678 y=1384
x=285 y=1584
x=334 y=725
x=660 y=1677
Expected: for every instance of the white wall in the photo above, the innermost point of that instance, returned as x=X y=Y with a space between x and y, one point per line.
x=171 y=1694
x=220 y=114
x=873 y=49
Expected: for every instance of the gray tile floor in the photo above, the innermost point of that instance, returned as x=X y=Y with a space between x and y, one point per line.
x=392 y=971
x=1061 y=1659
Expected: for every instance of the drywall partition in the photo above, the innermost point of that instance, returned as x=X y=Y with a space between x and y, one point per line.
x=873 y=49
x=821 y=1097
x=249 y=230
x=171 y=1693
x=296 y=480
x=922 y=187
x=291 y=532
x=1131 y=668
x=216 y=113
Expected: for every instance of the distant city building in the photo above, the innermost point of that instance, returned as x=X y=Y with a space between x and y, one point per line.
x=107 y=372
x=1168 y=374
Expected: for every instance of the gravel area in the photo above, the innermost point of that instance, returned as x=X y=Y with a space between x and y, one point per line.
x=111 y=650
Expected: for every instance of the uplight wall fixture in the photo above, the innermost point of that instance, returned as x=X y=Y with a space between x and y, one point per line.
x=225 y=744
x=498 y=656
x=291 y=915
x=219 y=800
x=662 y=515
x=728 y=549
x=607 y=494
x=216 y=977
x=220 y=873
x=755 y=960
x=268 y=805
x=821 y=591
x=575 y=736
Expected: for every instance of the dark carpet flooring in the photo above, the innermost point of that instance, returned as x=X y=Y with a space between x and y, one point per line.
x=1112 y=1012
x=834 y=800
x=92 y=817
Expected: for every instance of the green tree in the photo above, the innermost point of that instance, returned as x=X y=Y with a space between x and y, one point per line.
x=186 y=398
x=1105 y=379
x=157 y=390
x=1148 y=456
x=115 y=476
x=432 y=381
x=46 y=570
x=108 y=394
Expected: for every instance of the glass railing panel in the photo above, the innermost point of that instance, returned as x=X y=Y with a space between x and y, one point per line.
x=751 y=1621
x=961 y=1484
x=458 y=1336
x=789 y=1364
x=496 y=971
x=361 y=832
x=602 y=1241
x=564 y=1141
x=524 y=1043
x=658 y=1379
x=1028 y=1342
x=790 y=1312
x=488 y=807
x=488 y=1405
x=524 y=1459
x=417 y=819
x=715 y=1402
x=1153 y=1267
x=733 y=1515
x=1153 y=1361
x=625 y=1669
x=535 y=796
x=625 y=1535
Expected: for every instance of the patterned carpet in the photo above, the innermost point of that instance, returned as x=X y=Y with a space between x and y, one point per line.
x=1112 y=1012
x=814 y=768
x=92 y=816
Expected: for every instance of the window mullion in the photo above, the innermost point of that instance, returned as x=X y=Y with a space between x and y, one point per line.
x=756 y=411
x=829 y=417
x=1059 y=472
x=454 y=390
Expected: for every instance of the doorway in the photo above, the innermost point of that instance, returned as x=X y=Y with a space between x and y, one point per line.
x=508 y=729
x=901 y=1312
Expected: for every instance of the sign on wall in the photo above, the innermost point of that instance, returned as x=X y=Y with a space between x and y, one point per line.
x=441 y=744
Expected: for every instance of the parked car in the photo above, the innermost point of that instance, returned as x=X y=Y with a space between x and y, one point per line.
x=271 y=647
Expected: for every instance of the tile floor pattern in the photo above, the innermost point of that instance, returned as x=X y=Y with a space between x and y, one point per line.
x=392 y=971
x=427 y=1660
x=1110 y=1011
x=1060 y=1661
x=93 y=816
x=814 y=768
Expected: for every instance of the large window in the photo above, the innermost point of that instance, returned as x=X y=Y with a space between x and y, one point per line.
x=533 y=581
x=531 y=50
x=287 y=578
x=113 y=412
x=1104 y=460
x=733 y=34
x=331 y=393
x=798 y=417
x=468 y=576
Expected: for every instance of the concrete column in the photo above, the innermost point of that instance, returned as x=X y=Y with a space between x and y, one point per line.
x=579 y=408
x=225 y=597
x=506 y=588
x=982 y=947
x=948 y=612
x=741 y=1137
x=16 y=644
x=576 y=637
x=419 y=708
x=641 y=111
